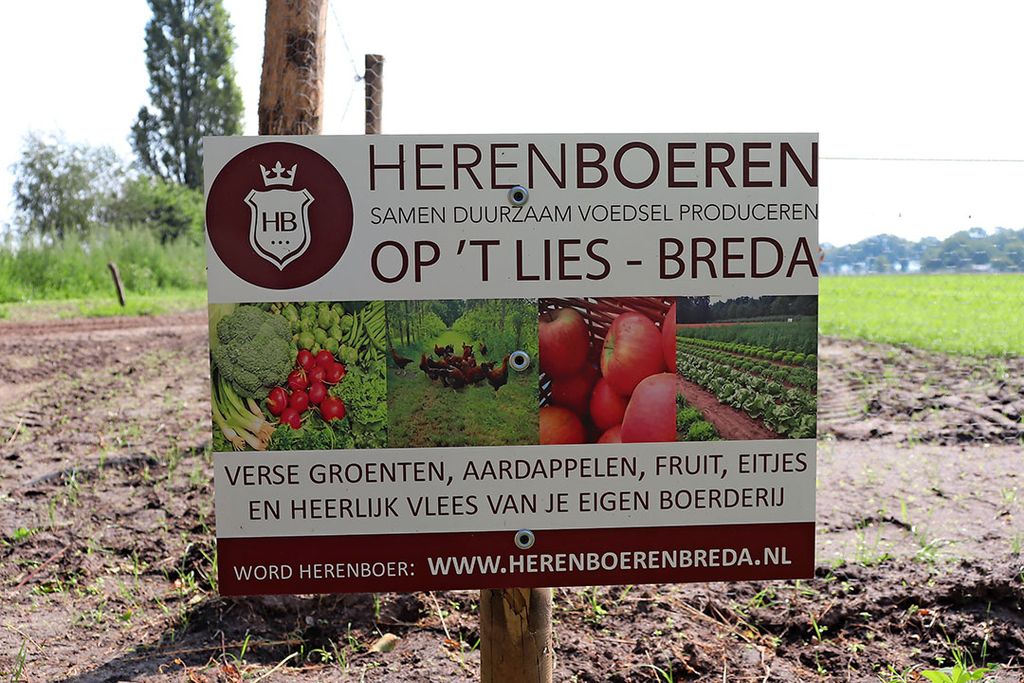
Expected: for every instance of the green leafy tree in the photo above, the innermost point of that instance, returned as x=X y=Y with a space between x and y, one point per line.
x=169 y=209
x=192 y=88
x=62 y=188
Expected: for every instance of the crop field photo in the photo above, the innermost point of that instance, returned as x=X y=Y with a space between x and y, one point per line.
x=298 y=376
x=747 y=366
x=606 y=370
x=450 y=381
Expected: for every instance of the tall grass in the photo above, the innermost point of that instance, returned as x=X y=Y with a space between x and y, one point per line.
x=77 y=266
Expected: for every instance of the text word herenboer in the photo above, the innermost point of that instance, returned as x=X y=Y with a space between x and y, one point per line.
x=591 y=165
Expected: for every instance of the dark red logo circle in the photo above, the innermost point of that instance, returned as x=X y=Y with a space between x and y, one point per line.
x=279 y=215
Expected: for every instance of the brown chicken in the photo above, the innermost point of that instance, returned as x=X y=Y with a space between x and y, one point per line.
x=498 y=378
x=400 y=361
x=456 y=379
x=476 y=373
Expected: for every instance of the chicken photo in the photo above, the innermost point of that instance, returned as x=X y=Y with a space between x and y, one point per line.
x=449 y=402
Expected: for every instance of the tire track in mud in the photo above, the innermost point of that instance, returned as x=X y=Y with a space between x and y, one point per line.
x=875 y=391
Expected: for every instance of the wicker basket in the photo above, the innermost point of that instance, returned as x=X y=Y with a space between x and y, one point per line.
x=599 y=314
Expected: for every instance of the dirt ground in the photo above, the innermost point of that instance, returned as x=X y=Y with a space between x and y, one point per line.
x=107 y=547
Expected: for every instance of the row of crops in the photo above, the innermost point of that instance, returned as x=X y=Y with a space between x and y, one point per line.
x=691 y=425
x=762 y=352
x=749 y=382
x=800 y=377
x=798 y=336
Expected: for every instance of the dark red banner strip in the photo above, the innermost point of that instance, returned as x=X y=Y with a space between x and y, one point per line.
x=567 y=557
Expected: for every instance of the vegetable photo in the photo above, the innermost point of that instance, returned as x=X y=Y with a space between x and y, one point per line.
x=747 y=367
x=298 y=376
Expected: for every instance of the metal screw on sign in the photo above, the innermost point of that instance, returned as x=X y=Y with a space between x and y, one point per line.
x=519 y=360
x=525 y=539
x=518 y=195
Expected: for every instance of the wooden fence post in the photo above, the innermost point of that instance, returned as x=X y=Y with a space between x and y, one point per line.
x=291 y=87
x=515 y=636
x=373 y=84
x=116 y=274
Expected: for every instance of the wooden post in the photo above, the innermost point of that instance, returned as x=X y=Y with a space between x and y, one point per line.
x=373 y=84
x=515 y=636
x=291 y=88
x=116 y=274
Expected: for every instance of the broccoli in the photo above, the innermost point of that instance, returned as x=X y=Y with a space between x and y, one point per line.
x=254 y=350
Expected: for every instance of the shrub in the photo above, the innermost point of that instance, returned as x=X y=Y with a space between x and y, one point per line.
x=686 y=417
x=701 y=431
x=172 y=211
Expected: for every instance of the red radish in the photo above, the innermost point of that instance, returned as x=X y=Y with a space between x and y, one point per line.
x=299 y=400
x=606 y=406
x=291 y=417
x=613 y=435
x=316 y=374
x=560 y=425
x=651 y=413
x=297 y=380
x=332 y=408
x=324 y=358
x=304 y=359
x=277 y=401
x=668 y=338
x=333 y=373
x=317 y=392
x=573 y=391
x=564 y=341
x=631 y=352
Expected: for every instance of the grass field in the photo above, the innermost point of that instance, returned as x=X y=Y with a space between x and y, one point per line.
x=423 y=413
x=104 y=306
x=977 y=315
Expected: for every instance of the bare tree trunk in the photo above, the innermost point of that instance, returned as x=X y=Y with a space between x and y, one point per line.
x=388 y=311
x=291 y=89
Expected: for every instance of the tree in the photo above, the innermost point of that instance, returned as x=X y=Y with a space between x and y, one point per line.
x=169 y=209
x=192 y=88
x=62 y=188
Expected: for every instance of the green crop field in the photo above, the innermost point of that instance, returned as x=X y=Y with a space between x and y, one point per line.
x=978 y=315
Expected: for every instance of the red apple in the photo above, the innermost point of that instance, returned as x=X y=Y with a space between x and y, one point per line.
x=613 y=435
x=631 y=352
x=563 y=340
x=651 y=413
x=668 y=338
x=606 y=406
x=573 y=392
x=560 y=425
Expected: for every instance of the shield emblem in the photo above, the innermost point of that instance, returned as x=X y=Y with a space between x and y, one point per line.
x=279 y=230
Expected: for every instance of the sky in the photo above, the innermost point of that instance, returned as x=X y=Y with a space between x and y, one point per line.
x=880 y=82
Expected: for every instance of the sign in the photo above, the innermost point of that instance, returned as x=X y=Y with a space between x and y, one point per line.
x=447 y=362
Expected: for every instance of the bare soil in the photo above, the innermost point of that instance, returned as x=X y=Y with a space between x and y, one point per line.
x=106 y=516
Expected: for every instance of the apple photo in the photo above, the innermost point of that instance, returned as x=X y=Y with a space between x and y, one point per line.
x=452 y=374
x=747 y=367
x=607 y=370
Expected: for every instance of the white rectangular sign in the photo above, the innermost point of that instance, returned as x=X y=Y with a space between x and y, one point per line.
x=512 y=360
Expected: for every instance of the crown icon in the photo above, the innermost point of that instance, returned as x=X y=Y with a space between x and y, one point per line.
x=278 y=175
